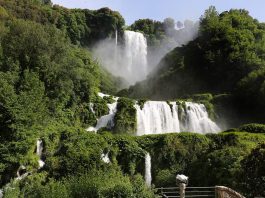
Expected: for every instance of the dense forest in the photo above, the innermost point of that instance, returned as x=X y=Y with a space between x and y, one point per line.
x=49 y=78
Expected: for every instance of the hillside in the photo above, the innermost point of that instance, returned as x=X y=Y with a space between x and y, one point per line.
x=227 y=57
x=61 y=137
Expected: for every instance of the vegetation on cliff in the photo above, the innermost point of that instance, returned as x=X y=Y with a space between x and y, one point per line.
x=48 y=83
x=226 y=57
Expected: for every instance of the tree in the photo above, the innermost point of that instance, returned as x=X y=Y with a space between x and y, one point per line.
x=254 y=172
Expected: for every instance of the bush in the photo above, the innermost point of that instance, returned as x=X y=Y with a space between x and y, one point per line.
x=253 y=172
x=206 y=96
x=252 y=128
x=125 y=118
x=93 y=184
x=100 y=107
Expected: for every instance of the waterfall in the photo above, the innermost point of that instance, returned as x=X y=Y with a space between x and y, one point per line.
x=135 y=55
x=39 y=152
x=116 y=37
x=106 y=120
x=127 y=59
x=197 y=119
x=105 y=158
x=158 y=117
x=148 y=175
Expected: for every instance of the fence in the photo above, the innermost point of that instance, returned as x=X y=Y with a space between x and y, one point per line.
x=200 y=192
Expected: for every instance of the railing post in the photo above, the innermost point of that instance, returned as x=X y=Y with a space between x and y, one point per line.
x=182 y=182
x=182 y=188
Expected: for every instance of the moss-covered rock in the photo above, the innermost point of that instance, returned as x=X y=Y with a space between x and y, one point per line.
x=181 y=110
x=170 y=105
x=125 y=117
x=141 y=102
x=109 y=99
x=205 y=96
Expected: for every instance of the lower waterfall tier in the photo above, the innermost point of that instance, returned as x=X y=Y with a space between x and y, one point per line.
x=158 y=117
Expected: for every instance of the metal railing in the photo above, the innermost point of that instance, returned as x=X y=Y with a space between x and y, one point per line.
x=200 y=192
x=173 y=192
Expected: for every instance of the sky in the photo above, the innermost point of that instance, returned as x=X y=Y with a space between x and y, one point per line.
x=179 y=10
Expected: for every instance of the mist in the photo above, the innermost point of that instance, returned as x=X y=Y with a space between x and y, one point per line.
x=132 y=59
x=178 y=34
x=127 y=59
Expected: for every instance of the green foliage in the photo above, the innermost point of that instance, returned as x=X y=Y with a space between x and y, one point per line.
x=140 y=189
x=226 y=57
x=45 y=81
x=81 y=26
x=125 y=118
x=110 y=84
x=101 y=184
x=252 y=128
x=76 y=153
x=251 y=91
x=220 y=167
x=163 y=33
x=109 y=99
x=12 y=192
x=47 y=85
x=94 y=184
x=202 y=97
x=153 y=30
x=253 y=172
x=165 y=177
x=100 y=107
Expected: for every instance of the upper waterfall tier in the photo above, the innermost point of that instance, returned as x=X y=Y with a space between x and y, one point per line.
x=126 y=59
x=135 y=55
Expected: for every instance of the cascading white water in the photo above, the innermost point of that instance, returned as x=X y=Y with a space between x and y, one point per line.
x=39 y=152
x=197 y=119
x=106 y=120
x=158 y=117
x=116 y=37
x=135 y=55
x=127 y=59
x=148 y=175
x=105 y=158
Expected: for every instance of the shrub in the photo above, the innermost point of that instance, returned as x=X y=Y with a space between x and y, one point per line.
x=125 y=118
x=253 y=172
x=253 y=128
